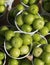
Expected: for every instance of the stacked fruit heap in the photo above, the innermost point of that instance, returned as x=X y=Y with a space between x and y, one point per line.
x=29 y=39
x=2 y=6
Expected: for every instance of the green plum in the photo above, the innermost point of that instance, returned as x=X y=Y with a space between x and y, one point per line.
x=36 y=37
x=26 y=28
x=28 y=19
x=37 y=51
x=20 y=7
x=2 y=9
x=15 y=52
x=42 y=41
x=24 y=50
x=48 y=25
x=32 y=1
x=2 y=2
x=8 y=46
x=16 y=42
x=13 y=62
x=25 y=1
x=1 y=62
x=19 y=20
x=44 y=31
x=4 y=28
x=38 y=62
x=17 y=34
x=47 y=48
x=2 y=55
x=38 y=24
x=33 y=9
x=9 y=34
x=46 y=57
x=27 y=39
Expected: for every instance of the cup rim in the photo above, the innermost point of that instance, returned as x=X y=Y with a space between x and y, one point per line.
x=18 y=57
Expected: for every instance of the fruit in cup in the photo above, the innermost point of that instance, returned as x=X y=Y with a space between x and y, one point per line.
x=28 y=19
x=1 y=62
x=20 y=7
x=4 y=28
x=24 y=50
x=13 y=62
x=26 y=28
x=33 y=9
x=25 y=1
x=9 y=34
x=8 y=46
x=2 y=56
x=44 y=31
x=32 y=1
x=48 y=25
x=46 y=57
x=38 y=23
x=36 y=37
x=37 y=51
x=47 y=48
x=2 y=9
x=17 y=34
x=15 y=52
x=2 y=2
x=43 y=41
x=16 y=42
x=38 y=62
x=19 y=20
x=27 y=39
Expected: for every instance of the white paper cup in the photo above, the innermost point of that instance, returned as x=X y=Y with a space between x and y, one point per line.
x=4 y=62
x=20 y=29
x=18 y=57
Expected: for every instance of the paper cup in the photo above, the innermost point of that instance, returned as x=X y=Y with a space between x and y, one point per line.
x=4 y=62
x=18 y=57
x=19 y=28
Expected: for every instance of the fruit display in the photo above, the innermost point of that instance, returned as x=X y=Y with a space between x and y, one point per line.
x=25 y=37
x=42 y=55
x=2 y=7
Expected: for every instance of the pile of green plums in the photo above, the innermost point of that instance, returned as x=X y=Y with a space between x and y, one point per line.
x=2 y=58
x=41 y=55
x=29 y=20
x=2 y=6
x=17 y=44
